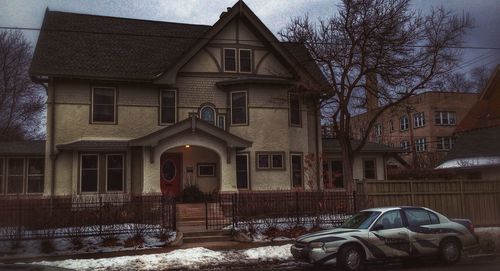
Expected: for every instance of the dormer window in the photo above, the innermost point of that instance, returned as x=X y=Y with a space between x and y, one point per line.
x=229 y=60
x=245 y=60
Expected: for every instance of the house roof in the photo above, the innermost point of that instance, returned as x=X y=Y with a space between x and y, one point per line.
x=29 y=147
x=476 y=143
x=103 y=47
x=486 y=112
x=95 y=145
x=333 y=145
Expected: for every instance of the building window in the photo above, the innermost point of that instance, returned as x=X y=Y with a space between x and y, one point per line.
x=297 y=170
x=114 y=173
x=369 y=170
x=35 y=175
x=294 y=109
x=337 y=174
x=242 y=173
x=405 y=145
x=418 y=120
x=404 y=123
x=222 y=121
x=207 y=113
x=270 y=160
x=2 y=174
x=445 y=118
x=15 y=175
x=206 y=170
x=229 y=60
x=444 y=143
x=378 y=130
x=245 y=60
x=239 y=108
x=391 y=125
x=420 y=144
x=89 y=172
x=168 y=103
x=103 y=105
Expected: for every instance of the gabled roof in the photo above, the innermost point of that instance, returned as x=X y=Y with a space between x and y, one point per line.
x=28 y=147
x=333 y=145
x=192 y=124
x=486 y=112
x=103 y=47
x=476 y=143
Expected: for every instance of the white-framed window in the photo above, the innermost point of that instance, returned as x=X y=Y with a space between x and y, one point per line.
x=115 y=173
x=168 y=106
x=229 y=59
x=404 y=123
x=405 y=145
x=221 y=121
x=242 y=171
x=207 y=113
x=15 y=175
x=370 y=168
x=445 y=118
x=35 y=175
x=294 y=109
x=103 y=108
x=245 y=60
x=297 y=170
x=270 y=160
x=206 y=170
x=89 y=173
x=378 y=130
x=418 y=120
x=239 y=108
x=444 y=143
x=420 y=144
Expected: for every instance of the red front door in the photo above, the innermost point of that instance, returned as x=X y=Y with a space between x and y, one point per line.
x=170 y=174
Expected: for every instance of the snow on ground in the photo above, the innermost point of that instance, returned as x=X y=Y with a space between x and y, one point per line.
x=193 y=258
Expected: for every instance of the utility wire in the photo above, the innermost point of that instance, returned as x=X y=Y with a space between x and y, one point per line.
x=187 y=37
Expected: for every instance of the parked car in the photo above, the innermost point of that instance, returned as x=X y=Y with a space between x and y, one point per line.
x=387 y=233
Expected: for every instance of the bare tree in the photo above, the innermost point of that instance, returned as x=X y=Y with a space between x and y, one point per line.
x=21 y=101
x=376 y=50
x=471 y=82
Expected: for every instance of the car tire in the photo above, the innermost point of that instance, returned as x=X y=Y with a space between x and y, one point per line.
x=350 y=258
x=450 y=251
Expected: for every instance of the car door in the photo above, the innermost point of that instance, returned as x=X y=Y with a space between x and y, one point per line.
x=424 y=231
x=390 y=236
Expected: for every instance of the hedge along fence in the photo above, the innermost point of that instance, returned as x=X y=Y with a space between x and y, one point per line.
x=478 y=200
x=44 y=218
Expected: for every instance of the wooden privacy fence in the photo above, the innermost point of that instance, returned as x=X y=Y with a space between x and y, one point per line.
x=478 y=200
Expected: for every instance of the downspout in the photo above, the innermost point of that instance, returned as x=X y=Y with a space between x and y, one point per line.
x=318 y=138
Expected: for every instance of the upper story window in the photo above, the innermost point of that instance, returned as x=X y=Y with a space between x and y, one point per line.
x=418 y=120
x=229 y=60
x=421 y=144
x=391 y=126
x=270 y=160
x=378 y=130
x=245 y=60
x=405 y=145
x=404 y=123
x=168 y=104
x=103 y=105
x=207 y=113
x=446 y=118
x=239 y=108
x=444 y=143
x=294 y=107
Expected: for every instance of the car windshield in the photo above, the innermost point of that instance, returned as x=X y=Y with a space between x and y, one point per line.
x=361 y=220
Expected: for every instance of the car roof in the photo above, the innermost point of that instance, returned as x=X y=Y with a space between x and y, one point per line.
x=389 y=208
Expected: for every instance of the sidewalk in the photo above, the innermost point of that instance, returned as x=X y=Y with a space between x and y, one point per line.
x=217 y=246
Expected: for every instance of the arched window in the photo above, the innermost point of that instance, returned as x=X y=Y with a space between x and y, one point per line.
x=207 y=113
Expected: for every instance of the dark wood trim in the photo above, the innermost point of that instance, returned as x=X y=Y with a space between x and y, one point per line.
x=257 y=67
x=270 y=157
x=236 y=45
x=219 y=67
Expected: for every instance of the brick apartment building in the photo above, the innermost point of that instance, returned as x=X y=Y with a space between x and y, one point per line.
x=423 y=126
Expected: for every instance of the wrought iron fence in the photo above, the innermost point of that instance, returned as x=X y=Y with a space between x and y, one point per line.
x=40 y=218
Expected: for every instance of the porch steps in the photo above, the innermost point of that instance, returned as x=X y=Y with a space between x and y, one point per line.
x=191 y=217
x=207 y=236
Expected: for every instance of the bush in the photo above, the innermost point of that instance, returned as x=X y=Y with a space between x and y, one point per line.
x=192 y=194
x=47 y=246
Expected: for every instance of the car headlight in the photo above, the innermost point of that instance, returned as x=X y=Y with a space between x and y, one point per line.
x=316 y=244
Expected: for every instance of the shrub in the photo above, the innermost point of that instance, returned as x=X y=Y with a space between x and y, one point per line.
x=192 y=194
x=110 y=241
x=47 y=246
x=135 y=241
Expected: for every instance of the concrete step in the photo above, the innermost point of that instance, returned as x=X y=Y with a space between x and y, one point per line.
x=202 y=239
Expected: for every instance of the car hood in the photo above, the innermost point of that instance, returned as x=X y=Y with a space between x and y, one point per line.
x=331 y=235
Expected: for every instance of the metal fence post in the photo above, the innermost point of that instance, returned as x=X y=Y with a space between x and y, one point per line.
x=297 y=206
x=206 y=213
x=100 y=215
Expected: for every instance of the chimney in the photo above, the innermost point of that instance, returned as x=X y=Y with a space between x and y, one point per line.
x=371 y=87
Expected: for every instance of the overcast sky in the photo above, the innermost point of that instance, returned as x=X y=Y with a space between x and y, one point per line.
x=274 y=13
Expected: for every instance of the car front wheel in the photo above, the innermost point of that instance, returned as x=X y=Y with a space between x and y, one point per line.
x=350 y=258
x=450 y=251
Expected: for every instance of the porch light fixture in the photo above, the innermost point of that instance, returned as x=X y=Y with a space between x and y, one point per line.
x=187 y=146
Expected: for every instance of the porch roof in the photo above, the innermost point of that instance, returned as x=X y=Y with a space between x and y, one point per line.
x=95 y=145
x=193 y=123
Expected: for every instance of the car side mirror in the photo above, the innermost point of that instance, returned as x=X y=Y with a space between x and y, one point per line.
x=378 y=227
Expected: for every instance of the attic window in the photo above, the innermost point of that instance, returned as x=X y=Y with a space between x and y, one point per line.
x=245 y=60
x=229 y=60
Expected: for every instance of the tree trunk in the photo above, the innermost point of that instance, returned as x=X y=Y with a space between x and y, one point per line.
x=347 y=163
